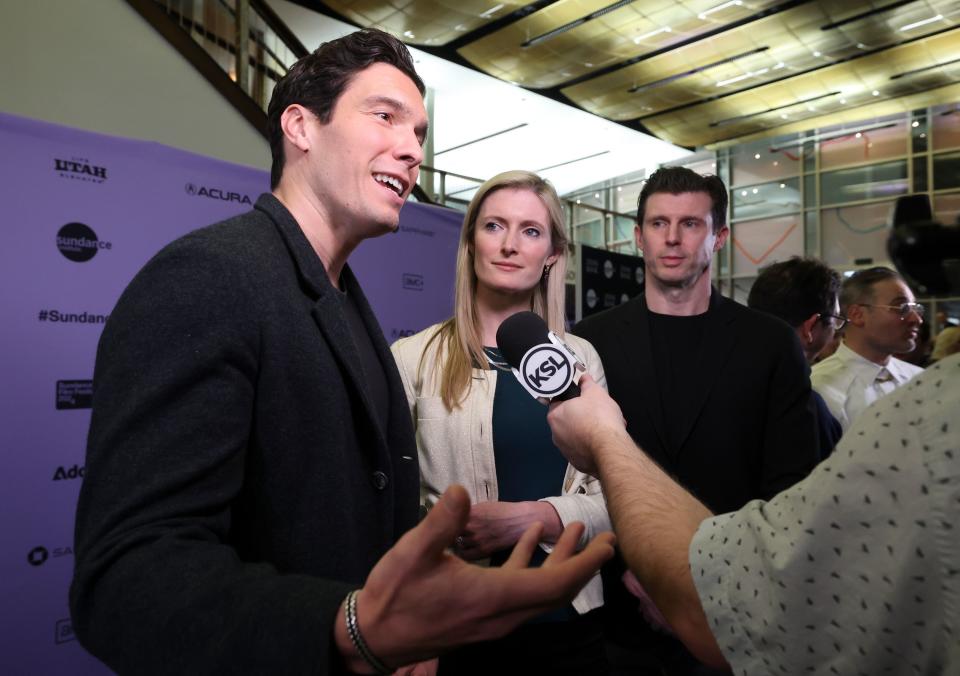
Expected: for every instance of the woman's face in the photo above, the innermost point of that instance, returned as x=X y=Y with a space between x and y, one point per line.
x=512 y=241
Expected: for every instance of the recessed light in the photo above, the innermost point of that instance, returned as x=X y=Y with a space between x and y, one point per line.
x=757 y=156
x=875 y=92
x=858 y=134
x=743 y=193
x=783 y=185
x=915 y=123
x=756 y=190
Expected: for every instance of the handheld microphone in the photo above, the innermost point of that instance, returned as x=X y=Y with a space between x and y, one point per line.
x=545 y=366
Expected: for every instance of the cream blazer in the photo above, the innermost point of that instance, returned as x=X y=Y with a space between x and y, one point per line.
x=457 y=446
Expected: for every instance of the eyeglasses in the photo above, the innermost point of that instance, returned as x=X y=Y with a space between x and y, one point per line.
x=835 y=321
x=903 y=309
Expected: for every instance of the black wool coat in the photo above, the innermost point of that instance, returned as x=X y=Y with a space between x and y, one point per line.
x=238 y=483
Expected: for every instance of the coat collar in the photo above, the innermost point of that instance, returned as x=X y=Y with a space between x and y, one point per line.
x=329 y=314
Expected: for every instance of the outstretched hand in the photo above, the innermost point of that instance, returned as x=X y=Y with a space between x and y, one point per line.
x=579 y=423
x=420 y=599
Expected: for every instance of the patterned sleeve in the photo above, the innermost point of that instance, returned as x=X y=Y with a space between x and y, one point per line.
x=854 y=569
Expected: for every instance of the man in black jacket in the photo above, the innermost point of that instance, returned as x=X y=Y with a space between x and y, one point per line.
x=251 y=492
x=716 y=393
x=804 y=293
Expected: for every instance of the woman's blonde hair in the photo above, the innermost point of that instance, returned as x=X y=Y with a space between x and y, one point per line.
x=459 y=340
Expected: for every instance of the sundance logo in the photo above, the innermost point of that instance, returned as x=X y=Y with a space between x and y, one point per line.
x=78 y=242
x=80 y=169
x=216 y=194
x=64 y=474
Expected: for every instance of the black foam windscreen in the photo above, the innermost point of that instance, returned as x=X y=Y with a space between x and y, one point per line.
x=518 y=333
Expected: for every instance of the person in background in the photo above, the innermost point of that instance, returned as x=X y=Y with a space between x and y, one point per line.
x=250 y=499
x=714 y=391
x=803 y=293
x=947 y=343
x=477 y=426
x=883 y=319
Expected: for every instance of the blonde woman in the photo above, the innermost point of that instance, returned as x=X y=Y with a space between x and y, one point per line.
x=477 y=427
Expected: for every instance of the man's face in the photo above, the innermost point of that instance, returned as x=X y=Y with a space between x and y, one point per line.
x=365 y=160
x=677 y=237
x=881 y=327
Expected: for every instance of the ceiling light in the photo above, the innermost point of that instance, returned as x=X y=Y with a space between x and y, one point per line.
x=757 y=156
x=756 y=190
x=860 y=45
x=875 y=92
x=784 y=116
x=573 y=24
x=578 y=201
x=817 y=54
x=640 y=38
x=858 y=134
x=743 y=193
x=843 y=101
x=915 y=123
x=780 y=64
x=783 y=185
x=490 y=12
x=733 y=3
x=596 y=195
x=776 y=164
x=408 y=34
x=923 y=136
x=917 y=24
x=619 y=188
x=752 y=73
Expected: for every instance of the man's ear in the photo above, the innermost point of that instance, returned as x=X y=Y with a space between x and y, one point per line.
x=294 y=124
x=854 y=314
x=722 y=235
x=806 y=328
x=638 y=236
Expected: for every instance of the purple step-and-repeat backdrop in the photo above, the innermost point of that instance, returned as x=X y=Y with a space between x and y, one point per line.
x=82 y=213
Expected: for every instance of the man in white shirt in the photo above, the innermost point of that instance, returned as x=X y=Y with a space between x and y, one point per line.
x=883 y=320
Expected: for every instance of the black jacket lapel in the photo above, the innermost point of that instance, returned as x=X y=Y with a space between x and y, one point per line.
x=638 y=353
x=718 y=342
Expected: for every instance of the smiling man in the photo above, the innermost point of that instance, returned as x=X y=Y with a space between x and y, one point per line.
x=716 y=393
x=883 y=319
x=252 y=489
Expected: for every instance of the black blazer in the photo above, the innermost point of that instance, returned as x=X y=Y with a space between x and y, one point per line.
x=749 y=430
x=238 y=483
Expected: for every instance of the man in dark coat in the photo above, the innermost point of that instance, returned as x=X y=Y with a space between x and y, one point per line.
x=716 y=393
x=251 y=461
x=804 y=292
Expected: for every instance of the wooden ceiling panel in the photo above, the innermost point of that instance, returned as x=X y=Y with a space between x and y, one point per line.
x=424 y=22
x=562 y=42
x=900 y=71
x=696 y=72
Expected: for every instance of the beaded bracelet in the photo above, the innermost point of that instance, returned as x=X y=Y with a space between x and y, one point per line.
x=353 y=630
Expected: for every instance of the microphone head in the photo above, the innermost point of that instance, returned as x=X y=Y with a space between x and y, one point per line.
x=518 y=333
x=545 y=367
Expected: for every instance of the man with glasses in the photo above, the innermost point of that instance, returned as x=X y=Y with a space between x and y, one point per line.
x=803 y=292
x=883 y=319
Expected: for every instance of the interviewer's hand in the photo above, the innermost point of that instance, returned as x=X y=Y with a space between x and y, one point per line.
x=579 y=423
x=420 y=599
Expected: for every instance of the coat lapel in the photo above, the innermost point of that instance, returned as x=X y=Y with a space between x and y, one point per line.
x=638 y=359
x=329 y=314
x=718 y=342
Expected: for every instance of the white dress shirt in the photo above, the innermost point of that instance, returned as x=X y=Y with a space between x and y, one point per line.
x=849 y=382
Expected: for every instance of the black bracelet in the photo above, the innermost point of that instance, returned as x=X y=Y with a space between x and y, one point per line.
x=353 y=630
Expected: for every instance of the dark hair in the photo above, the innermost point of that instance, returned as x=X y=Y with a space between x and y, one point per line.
x=859 y=287
x=318 y=79
x=677 y=180
x=795 y=289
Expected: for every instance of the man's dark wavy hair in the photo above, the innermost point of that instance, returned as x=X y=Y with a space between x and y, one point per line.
x=317 y=80
x=677 y=180
x=795 y=289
